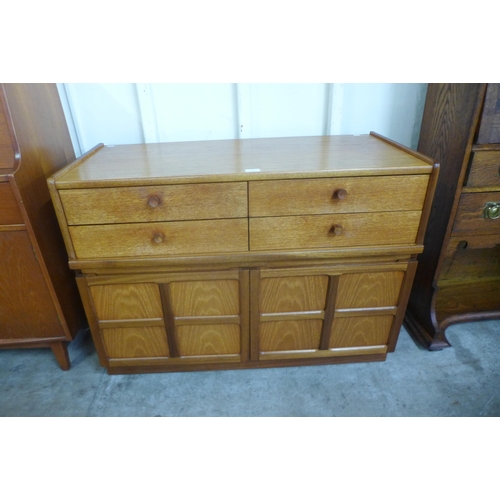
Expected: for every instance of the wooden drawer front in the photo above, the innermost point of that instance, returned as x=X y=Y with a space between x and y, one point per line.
x=143 y=342
x=318 y=231
x=155 y=203
x=470 y=216
x=9 y=211
x=485 y=169
x=489 y=129
x=342 y=195
x=160 y=239
x=470 y=256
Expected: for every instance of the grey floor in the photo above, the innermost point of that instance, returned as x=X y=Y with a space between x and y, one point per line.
x=460 y=381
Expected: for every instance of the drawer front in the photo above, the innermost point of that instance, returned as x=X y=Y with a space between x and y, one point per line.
x=155 y=203
x=333 y=231
x=160 y=239
x=478 y=213
x=485 y=169
x=341 y=195
x=9 y=211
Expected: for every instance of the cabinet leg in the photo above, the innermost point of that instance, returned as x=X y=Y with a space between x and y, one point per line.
x=60 y=350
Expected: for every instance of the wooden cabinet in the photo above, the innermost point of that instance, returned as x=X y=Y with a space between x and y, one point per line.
x=39 y=302
x=240 y=254
x=458 y=278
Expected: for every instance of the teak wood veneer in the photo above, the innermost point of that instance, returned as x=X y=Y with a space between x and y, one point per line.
x=244 y=253
x=39 y=301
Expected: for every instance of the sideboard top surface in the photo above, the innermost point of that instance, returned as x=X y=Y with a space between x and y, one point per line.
x=240 y=159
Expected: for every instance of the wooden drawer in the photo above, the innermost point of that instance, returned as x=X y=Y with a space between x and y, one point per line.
x=484 y=169
x=160 y=238
x=340 y=195
x=9 y=211
x=489 y=128
x=470 y=216
x=318 y=231
x=155 y=203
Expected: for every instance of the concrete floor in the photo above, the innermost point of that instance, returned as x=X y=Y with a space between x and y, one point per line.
x=460 y=381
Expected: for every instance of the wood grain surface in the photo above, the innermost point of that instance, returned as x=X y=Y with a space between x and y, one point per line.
x=240 y=160
x=484 y=169
x=469 y=218
x=9 y=211
x=366 y=290
x=293 y=294
x=489 y=128
x=290 y=335
x=178 y=238
x=208 y=340
x=314 y=231
x=135 y=342
x=205 y=298
x=26 y=307
x=318 y=196
x=155 y=203
x=360 y=331
x=127 y=301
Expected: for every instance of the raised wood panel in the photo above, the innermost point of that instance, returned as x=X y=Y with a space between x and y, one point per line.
x=135 y=342
x=365 y=290
x=26 y=307
x=9 y=211
x=205 y=298
x=316 y=231
x=360 y=331
x=293 y=294
x=127 y=301
x=321 y=196
x=489 y=128
x=484 y=169
x=155 y=203
x=469 y=218
x=208 y=340
x=172 y=238
x=290 y=335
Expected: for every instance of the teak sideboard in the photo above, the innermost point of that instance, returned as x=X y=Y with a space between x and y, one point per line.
x=458 y=277
x=39 y=302
x=245 y=253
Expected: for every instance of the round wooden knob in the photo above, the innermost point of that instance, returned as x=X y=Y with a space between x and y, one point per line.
x=158 y=237
x=336 y=229
x=340 y=194
x=153 y=201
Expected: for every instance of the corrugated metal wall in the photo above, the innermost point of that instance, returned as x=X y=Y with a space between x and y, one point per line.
x=138 y=113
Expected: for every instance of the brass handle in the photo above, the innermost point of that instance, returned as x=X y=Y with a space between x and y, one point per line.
x=153 y=201
x=491 y=210
x=336 y=229
x=158 y=237
x=340 y=194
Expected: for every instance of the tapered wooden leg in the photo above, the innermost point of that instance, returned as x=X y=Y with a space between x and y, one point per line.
x=60 y=350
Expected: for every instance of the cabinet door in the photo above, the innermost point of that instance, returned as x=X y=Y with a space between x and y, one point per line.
x=179 y=318
x=27 y=310
x=321 y=312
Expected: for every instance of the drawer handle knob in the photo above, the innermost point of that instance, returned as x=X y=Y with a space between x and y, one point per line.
x=336 y=229
x=340 y=194
x=153 y=201
x=492 y=210
x=158 y=237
